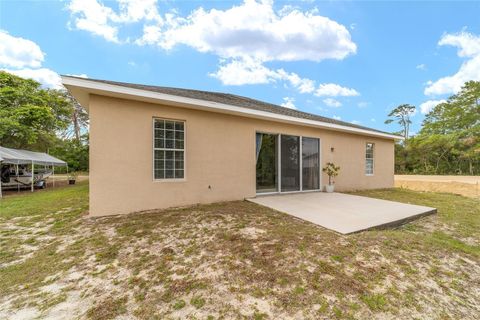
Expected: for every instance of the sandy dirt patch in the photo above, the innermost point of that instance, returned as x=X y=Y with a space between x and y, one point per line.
x=464 y=185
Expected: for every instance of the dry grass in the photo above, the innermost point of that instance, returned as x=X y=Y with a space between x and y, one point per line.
x=234 y=260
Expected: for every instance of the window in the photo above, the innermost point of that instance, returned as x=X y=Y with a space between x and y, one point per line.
x=169 y=149
x=369 y=153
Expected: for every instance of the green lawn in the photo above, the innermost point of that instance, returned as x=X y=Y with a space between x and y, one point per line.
x=234 y=260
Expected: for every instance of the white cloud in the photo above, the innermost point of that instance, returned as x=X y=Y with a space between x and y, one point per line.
x=251 y=29
x=427 y=106
x=303 y=85
x=45 y=76
x=288 y=103
x=245 y=71
x=421 y=67
x=135 y=10
x=151 y=35
x=94 y=17
x=335 y=90
x=355 y=122
x=254 y=29
x=24 y=58
x=362 y=104
x=468 y=43
x=98 y=19
x=373 y=120
x=337 y=117
x=468 y=46
x=332 y=103
x=245 y=37
x=250 y=71
x=16 y=52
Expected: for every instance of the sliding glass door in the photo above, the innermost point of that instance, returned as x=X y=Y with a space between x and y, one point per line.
x=286 y=163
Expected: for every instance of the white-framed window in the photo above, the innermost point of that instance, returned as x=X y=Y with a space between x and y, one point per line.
x=168 y=149
x=369 y=158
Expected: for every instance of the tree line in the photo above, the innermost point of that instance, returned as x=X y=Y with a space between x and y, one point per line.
x=51 y=121
x=44 y=120
x=449 y=139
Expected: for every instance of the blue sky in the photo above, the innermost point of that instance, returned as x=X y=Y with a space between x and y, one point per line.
x=351 y=60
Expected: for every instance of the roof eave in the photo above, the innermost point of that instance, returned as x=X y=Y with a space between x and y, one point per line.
x=82 y=88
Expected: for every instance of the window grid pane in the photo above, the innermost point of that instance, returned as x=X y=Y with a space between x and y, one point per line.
x=169 y=150
x=178 y=174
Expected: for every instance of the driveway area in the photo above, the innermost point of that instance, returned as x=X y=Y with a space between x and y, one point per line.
x=341 y=212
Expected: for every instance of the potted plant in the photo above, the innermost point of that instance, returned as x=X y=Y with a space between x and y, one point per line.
x=72 y=177
x=332 y=171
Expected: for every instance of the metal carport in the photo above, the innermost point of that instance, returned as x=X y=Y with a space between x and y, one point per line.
x=18 y=156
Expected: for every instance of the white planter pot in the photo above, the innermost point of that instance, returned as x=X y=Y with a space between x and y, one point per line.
x=330 y=188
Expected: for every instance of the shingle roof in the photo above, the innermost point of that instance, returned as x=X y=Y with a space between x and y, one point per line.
x=234 y=100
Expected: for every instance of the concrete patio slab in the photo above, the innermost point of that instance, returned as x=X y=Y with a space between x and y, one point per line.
x=343 y=213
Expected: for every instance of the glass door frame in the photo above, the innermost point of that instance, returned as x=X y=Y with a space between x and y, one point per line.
x=279 y=164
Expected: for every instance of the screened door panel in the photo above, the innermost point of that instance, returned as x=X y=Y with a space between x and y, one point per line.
x=310 y=164
x=267 y=162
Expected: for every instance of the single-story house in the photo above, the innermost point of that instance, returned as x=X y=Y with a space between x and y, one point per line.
x=157 y=147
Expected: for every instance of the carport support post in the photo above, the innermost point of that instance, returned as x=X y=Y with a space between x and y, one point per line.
x=18 y=184
x=53 y=169
x=33 y=174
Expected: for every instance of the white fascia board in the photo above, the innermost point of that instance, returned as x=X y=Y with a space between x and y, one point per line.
x=94 y=87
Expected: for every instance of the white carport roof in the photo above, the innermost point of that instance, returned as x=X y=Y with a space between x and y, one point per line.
x=17 y=156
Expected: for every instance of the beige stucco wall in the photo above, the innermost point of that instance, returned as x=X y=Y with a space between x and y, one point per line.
x=220 y=153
